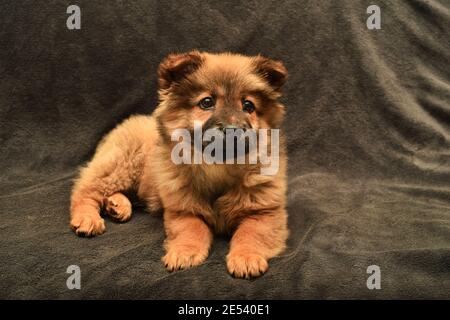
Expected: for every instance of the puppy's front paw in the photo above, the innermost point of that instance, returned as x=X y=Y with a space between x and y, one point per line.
x=182 y=257
x=118 y=207
x=246 y=265
x=87 y=225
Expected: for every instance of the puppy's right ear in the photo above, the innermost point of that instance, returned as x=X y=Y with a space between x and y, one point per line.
x=175 y=67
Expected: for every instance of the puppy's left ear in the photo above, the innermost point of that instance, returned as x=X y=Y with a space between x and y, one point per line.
x=175 y=67
x=272 y=70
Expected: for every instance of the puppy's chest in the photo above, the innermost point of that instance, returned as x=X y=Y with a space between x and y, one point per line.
x=213 y=181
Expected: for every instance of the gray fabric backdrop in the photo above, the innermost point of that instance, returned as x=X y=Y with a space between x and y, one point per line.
x=367 y=126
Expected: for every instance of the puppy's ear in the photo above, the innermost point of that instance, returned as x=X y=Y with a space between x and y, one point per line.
x=175 y=67
x=273 y=71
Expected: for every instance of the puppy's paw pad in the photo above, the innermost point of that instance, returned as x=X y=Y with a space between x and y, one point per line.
x=183 y=258
x=118 y=207
x=246 y=266
x=88 y=226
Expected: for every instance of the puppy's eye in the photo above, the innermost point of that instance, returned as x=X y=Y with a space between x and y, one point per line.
x=248 y=106
x=207 y=103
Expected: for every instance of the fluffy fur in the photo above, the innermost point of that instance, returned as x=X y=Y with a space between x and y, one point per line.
x=196 y=200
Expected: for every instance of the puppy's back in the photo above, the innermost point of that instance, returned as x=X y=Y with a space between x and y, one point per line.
x=135 y=132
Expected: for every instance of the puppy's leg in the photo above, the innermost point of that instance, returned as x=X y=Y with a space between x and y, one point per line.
x=257 y=239
x=188 y=240
x=95 y=191
x=118 y=207
x=111 y=171
x=85 y=217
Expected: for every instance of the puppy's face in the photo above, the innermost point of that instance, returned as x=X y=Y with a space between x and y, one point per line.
x=219 y=91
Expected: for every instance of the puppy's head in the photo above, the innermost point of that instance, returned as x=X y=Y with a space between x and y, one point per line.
x=220 y=91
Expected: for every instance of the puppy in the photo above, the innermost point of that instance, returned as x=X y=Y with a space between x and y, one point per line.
x=218 y=91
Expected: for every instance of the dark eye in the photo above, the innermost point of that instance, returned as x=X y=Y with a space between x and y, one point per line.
x=248 y=106
x=207 y=103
